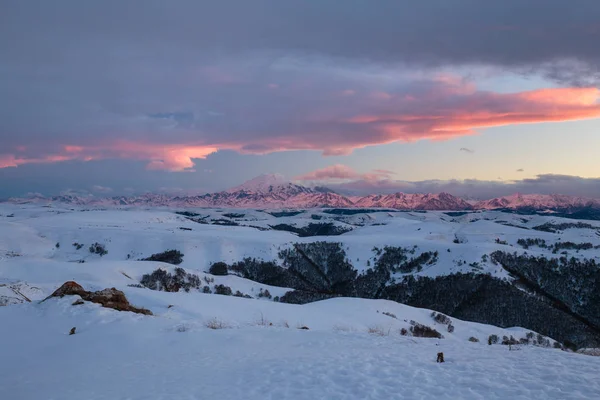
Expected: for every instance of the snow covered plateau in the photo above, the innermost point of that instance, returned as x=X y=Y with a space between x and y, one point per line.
x=310 y=303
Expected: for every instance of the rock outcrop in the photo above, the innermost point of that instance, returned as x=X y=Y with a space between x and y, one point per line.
x=109 y=298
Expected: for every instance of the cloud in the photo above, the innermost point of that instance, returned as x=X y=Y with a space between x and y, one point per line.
x=342 y=172
x=306 y=117
x=102 y=80
x=101 y=189
x=509 y=34
x=520 y=170
x=169 y=157
x=466 y=150
x=480 y=189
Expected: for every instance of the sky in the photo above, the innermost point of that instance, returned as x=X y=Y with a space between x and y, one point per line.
x=476 y=98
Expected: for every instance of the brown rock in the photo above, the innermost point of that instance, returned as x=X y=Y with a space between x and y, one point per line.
x=115 y=299
x=68 y=289
x=78 y=302
x=109 y=298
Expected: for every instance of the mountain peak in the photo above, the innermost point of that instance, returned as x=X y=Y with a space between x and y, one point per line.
x=261 y=184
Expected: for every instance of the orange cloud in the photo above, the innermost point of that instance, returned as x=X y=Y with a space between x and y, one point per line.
x=484 y=110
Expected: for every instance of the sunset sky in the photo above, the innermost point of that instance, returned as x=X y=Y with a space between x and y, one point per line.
x=477 y=98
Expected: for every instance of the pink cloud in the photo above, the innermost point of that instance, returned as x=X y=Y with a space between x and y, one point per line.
x=442 y=108
x=170 y=157
x=343 y=172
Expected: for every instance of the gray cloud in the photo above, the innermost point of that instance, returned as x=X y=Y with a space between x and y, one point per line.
x=507 y=33
x=520 y=170
x=466 y=150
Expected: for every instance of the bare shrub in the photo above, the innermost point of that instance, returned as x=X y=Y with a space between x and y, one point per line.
x=376 y=330
x=224 y=290
x=263 y=321
x=493 y=339
x=509 y=341
x=174 y=257
x=389 y=314
x=441 y=318
x=343 y=328
x=473 y=339
x=99 y=249
x=218 y=268
x=215 y=323
x=403 y=331
x=162 y=280
x=136 y=285
x=419 y=330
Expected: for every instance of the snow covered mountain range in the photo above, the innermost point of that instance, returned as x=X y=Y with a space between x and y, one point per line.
x=273 y=191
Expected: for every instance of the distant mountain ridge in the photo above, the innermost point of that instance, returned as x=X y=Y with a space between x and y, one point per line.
x=273 y=191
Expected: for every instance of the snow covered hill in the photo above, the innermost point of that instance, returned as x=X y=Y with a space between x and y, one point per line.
x=174 y=354
x=200 y=344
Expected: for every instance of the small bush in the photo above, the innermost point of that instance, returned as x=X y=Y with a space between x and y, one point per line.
x=403 y=332
x=264 y=293
x=557 y=345
x=136 y=285
x=57 y=245
x=419 y=330
x=240 y=294
x=99 y=249
x=473 y=339
x=215 y=323
x=509 y=341
x=162 y=280
x=77 y=246
x=389 y=314
x=493 y=339
x=174 y=257
x=450 y=328
x=206 y=289
x=441 y=318
x=218 y=268
x=224 y=290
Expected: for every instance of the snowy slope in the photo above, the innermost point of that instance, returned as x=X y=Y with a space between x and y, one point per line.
x=173 y=354
x=353 y=348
